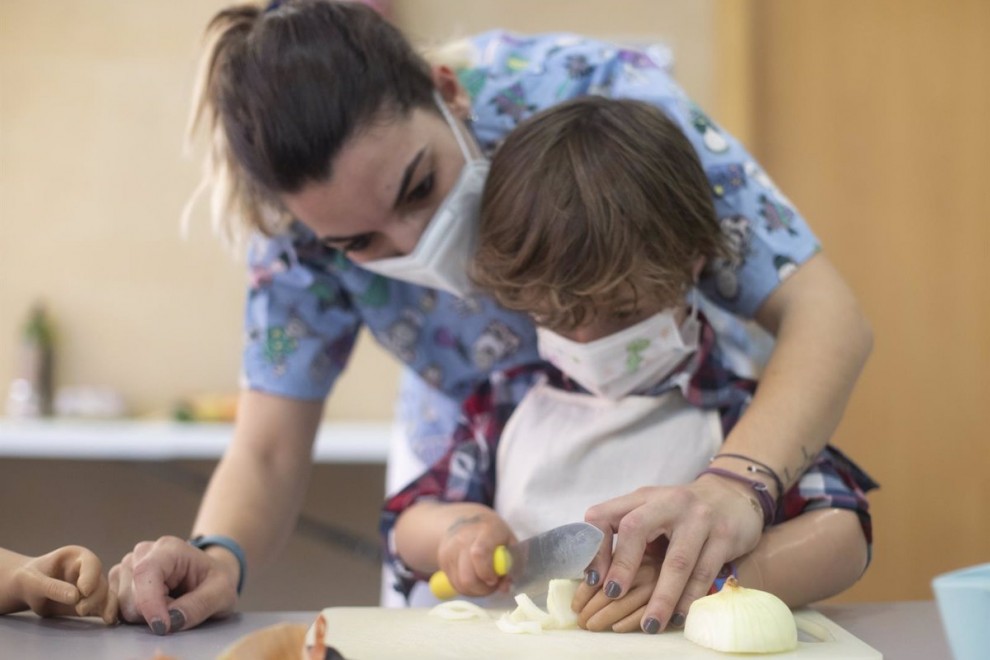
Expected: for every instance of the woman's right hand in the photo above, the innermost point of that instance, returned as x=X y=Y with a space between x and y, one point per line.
x=466 y=550
x=173 y=586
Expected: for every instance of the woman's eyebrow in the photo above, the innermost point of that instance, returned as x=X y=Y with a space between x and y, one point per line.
x=407 y=176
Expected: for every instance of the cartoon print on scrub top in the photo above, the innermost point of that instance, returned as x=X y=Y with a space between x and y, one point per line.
x=511 y=102
x=497 y=342
x=279 y=345
x=331 y=358
x=736 y=229
x=712 y=136
x=402 y=335
x=726 y=179
x=777 y=215
x=444 y=337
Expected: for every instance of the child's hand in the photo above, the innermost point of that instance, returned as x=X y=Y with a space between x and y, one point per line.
x=466 y=549
x=597 y=612
x=68 y=581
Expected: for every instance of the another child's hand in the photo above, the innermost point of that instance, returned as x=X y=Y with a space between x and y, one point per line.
x=68 y=581
x=597 y=612
x=466 y=550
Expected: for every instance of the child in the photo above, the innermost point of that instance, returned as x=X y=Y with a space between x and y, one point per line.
x=68 y=581
x=603 y=250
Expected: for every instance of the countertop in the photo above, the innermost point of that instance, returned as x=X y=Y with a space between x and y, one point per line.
x=900 y=630
x=144 y=440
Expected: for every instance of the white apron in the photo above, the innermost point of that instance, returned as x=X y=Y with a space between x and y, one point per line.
x=563 y=452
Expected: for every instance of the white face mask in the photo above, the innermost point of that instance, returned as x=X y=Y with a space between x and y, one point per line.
x=627 y=361
x=440 y=258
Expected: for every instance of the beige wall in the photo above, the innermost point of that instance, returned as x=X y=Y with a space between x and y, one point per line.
x=93 y=98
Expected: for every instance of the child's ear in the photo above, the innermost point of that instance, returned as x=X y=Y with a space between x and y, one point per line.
x=699 y=265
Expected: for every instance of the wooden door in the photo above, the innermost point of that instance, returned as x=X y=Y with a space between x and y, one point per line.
x=874 y=117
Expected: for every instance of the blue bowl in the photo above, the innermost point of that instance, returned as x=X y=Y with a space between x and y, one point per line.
x=963 y=598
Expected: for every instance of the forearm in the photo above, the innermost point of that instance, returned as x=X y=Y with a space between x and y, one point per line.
x=10 y=596
x=822 y=343
x=814 y=556
x=257 y=490
x=420 y=528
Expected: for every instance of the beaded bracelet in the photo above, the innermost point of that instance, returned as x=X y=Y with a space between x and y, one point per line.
x=763 y=495
x=757 y=466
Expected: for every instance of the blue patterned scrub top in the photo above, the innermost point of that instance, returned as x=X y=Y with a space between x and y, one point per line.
x=307 y=302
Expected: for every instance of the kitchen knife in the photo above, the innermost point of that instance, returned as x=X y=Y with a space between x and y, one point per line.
x=561 y=553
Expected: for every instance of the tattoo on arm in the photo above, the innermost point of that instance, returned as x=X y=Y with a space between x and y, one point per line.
x=462 y=521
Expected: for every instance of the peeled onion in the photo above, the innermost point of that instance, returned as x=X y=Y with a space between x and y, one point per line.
x=739 y=620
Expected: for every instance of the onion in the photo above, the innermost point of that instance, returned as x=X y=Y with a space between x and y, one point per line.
x=459 y=610
x=738 y=620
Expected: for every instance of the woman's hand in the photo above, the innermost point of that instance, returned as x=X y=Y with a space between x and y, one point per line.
x=172 y=585
x=706 y=524
x=466 y=549
x=68 y=581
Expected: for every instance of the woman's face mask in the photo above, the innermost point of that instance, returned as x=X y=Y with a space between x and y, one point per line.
x=440 y=258
x=627 y=361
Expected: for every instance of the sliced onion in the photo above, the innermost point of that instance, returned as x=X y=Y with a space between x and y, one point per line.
x=459 y=610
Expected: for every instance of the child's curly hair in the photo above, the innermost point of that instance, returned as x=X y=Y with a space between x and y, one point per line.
x=590 y=207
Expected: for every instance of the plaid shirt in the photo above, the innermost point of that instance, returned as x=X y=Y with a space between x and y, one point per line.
x=466 y=473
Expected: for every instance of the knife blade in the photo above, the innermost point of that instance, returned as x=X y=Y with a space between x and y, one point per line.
x=561 y=553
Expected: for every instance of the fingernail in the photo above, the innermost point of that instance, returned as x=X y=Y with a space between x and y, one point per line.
x=613 y=590
x=651 y=626
x=158 y=626
x=677 y=619
x=177 y=620
x=592 y=578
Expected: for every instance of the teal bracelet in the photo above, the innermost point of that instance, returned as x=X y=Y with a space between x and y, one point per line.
x=203 y=542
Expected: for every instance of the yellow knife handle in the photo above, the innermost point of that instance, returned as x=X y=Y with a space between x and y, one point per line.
x=441 y=587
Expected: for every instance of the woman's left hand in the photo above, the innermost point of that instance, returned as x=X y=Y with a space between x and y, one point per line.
x=706 y=524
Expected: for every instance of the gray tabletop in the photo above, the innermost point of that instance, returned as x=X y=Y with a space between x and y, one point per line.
x=903 y=630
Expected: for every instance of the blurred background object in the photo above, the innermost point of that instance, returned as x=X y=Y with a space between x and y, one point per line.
x=31 y=390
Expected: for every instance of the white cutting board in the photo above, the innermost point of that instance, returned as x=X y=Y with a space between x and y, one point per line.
x=374 y=633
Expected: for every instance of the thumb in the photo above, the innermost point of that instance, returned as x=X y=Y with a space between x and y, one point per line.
x=213 y=597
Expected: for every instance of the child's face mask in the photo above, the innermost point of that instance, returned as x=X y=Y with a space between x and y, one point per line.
x=440 y=258
x=627 y=361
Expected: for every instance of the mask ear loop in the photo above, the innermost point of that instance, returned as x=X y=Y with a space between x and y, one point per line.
x=462 y=142
x=695 y=303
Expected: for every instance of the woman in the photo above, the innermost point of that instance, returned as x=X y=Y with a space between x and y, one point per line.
x=364 y=166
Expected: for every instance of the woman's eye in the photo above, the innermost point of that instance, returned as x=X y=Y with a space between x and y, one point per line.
x=358 y=243
x=355 y=244
x=423 y=190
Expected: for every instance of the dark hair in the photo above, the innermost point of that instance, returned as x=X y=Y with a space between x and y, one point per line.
x=284 y=89
x=589 y=199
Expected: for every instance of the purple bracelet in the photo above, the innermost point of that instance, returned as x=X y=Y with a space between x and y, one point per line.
x=763 y=495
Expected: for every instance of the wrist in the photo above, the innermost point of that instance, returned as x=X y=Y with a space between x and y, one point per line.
x=227 y=551
x=756 y=491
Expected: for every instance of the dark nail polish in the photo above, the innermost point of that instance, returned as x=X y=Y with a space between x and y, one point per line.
x=651 y=626
x=158 y=626
x=613 y=590
x=592 y=578
x=177 y=620
x=677 y=619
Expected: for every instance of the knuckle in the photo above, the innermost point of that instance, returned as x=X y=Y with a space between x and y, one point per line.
x=632 y=523
x=678 y=562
